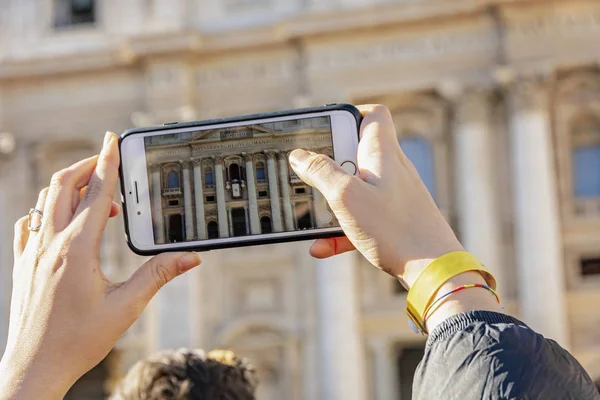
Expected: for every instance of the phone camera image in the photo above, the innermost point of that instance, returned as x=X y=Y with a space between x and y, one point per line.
x=236 y=181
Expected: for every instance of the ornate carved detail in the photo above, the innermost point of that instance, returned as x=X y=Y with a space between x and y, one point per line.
x=264 y=209
x=258 y=157
x=185 y=164
x=271 y=154
x=530 y=93
x=218 y=159
x=473 y=105
x=248 y=157
x=197 y=161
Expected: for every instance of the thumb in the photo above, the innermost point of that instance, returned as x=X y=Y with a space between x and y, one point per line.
x=156 y=273
x=320 y=172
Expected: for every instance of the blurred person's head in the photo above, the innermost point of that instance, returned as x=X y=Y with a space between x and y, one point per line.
x=189 y=375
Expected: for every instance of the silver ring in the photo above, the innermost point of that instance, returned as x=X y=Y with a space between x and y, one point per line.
x=30 y=215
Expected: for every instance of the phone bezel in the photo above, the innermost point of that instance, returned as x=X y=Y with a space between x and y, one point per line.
x=345 y=120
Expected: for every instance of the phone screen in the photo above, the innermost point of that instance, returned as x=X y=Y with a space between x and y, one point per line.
x=235 y=181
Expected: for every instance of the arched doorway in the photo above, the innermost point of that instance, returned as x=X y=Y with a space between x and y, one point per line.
x=175 y=233
x=238 y=221
x=265 y=225
x=212 y=230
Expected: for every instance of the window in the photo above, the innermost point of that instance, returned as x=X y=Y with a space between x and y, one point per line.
x=590 y=266
x=212 y=229
x=210 y=199
x=300 y=190
x=173 y=180
x=173 y=203
x=74 y=12
x=419 y=152
x=265 y=225
x=208 y=177
x=260 y=172
x=263 y=193
x=408 y=360
x=586 y=158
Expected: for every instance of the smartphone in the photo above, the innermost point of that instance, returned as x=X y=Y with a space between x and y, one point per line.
x=227 y=182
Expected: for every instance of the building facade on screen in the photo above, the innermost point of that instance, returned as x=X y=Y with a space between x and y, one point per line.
x=496 y=104
x=221 y=183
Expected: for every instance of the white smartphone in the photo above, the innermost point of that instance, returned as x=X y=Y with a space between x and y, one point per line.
x=227 y=182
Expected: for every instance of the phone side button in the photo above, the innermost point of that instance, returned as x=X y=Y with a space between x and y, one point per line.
x=170 y=123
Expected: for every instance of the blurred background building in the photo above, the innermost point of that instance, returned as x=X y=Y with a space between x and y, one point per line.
x=497 y=102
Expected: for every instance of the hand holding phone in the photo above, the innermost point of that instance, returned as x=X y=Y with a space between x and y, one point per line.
x=227 y=182
x=385 y=211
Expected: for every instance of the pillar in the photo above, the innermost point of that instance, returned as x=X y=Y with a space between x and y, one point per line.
x=479 y=214
x=230 y=219
x=157 y=217
x=199 y=199
x=252 y=199
x=341 y=355
x=321 y=212
x=247 y=220
x=537 y=227
x=187 y=201
x=221 y=207
x=274 y=191
x=288 y=214
x=385 y=370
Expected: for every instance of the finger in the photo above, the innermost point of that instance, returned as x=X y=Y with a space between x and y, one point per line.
x=58 y=209
x=153 y=275
x=325 y=248
x=378 y=146
x=322 y=173
x=94 y=209
x=21 y=236
x=40 y=205
x=114 y=209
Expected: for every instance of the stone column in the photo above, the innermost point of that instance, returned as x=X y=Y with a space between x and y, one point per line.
x=479 y=214
x=187 y=201
x=230 y=219
x=252 y=200
x=321 y=211
x=221 y=207
x=274 y=191
x=199 y=199
x=247 y=220
x=537 y=226
x=288 y=214
x=157 y=216
x=341 y=354
x=385 y=370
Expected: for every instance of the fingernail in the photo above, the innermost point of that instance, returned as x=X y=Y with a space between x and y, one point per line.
x=188 y=261
x=107 y=138
x=298 y=156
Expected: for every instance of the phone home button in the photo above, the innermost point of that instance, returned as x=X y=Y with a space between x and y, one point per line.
x=350 y=167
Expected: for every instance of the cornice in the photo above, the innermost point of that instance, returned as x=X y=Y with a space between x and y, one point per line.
x=193 y=43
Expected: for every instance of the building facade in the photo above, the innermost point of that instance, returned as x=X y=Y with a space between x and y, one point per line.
x=496 y=102
x=203 y=187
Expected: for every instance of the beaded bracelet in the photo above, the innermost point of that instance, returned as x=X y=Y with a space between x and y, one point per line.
x=458 y=289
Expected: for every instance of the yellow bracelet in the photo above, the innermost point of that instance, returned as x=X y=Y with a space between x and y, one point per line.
x=431 y=279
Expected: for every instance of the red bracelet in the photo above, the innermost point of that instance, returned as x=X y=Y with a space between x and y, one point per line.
x=458 y=289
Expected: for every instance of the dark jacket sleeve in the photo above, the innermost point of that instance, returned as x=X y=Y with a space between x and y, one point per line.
x=486 y=355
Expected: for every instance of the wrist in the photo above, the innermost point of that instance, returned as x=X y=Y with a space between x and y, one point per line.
x=20 y=380
x=474 y=299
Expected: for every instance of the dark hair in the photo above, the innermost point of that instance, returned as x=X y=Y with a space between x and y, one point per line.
x=189 y=375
